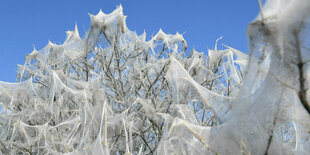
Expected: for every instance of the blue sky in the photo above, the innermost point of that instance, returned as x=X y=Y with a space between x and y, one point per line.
x=25 y=24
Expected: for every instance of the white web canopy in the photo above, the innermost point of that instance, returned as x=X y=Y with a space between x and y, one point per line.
x=113 y=92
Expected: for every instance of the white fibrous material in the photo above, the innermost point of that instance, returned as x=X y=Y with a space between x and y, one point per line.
x=114 y=92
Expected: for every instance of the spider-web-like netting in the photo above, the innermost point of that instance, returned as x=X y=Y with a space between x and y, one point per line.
x=113 y=92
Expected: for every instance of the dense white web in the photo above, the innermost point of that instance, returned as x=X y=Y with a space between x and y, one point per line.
x=114 y=92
